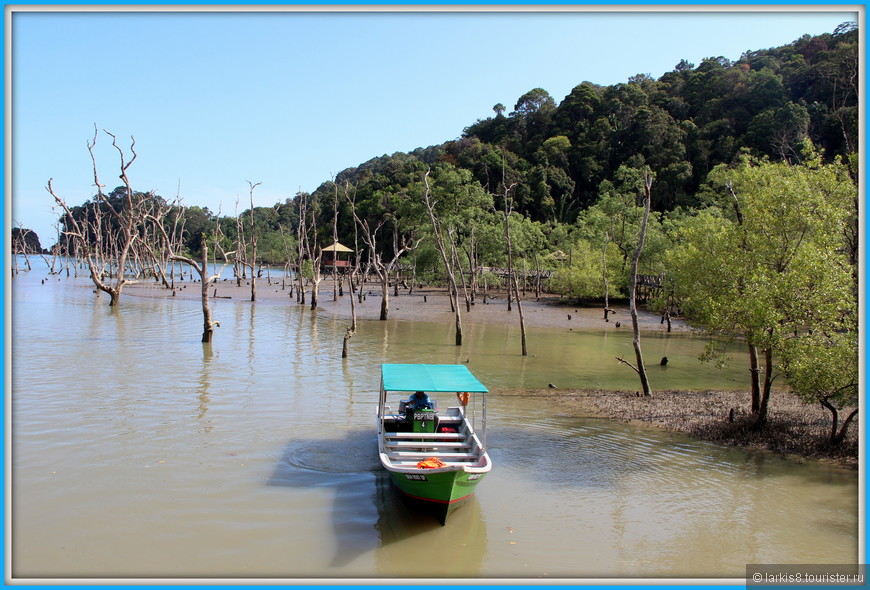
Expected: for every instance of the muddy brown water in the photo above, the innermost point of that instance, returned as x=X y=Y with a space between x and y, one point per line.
x=137 y=453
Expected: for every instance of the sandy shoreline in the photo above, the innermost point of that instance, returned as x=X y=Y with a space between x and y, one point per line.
x=423 y=305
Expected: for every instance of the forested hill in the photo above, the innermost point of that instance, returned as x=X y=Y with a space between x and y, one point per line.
x=561 y=163
x=681 y=126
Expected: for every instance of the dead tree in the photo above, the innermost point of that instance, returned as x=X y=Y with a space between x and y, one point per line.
x=457 y=265
x=445 y=259
x=512 y=277
x=301 y=234
x=19 y=247
x=101 y=254
x=351 y=330
x=252 y=261
x=401 y=244
x=335 y=283
x=51 y=263
x=607 y=309
x=201 y=266
x=309 y=249
x=640 y=368
x=473 y=266
x=351 y=280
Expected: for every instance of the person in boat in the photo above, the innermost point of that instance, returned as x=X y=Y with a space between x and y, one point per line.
x=419 y=401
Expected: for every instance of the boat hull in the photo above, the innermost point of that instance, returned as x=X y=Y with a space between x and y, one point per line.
x=436 y=491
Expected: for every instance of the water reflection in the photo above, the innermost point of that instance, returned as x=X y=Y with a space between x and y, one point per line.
x=407 y=539
x=346 y=466
x=368 y=515
x=204 y=384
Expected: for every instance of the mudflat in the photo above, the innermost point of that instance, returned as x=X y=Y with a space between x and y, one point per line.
x=426 y=304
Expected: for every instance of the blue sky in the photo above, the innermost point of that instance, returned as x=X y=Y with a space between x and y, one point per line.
x=288 y=99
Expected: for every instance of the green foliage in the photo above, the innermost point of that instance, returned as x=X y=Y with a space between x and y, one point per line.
x=534 y=101
x=616 y=218
x=583 y=277
x=767 y=262
x=307 y=269
x=823 y=367
x=277 y=247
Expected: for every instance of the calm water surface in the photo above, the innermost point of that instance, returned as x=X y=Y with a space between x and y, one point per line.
x=138 y=453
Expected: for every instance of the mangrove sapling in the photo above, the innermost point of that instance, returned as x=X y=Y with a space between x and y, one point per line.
x=822 y=365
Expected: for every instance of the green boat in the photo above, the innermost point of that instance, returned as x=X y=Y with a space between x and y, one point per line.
x=435 y=457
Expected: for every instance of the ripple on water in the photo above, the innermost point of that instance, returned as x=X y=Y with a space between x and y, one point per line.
x=353 y=454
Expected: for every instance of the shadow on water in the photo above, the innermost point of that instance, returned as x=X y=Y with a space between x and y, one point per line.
x=368 y=514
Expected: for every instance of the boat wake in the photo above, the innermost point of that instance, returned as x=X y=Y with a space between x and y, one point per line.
x=312 y=462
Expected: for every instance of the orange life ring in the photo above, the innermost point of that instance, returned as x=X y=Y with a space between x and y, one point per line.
x=463 y=397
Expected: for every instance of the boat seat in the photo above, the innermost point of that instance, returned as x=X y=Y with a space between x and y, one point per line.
x=425 y=443
x=426 y=435
x=427 y=454
x=413 y=464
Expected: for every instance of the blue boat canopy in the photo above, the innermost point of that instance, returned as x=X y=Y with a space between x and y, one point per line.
x=432 y=378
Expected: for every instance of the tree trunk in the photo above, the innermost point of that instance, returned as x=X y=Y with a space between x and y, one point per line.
x=641 y=369
x=836 y=436
x=315 y=293
x=761 y=418
x=207 y=324
x=458 y=339
x=385 y=296
x=352 y=303
x=522 y=318
x=604 y=276
x=442 y=250
x=755 y=379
